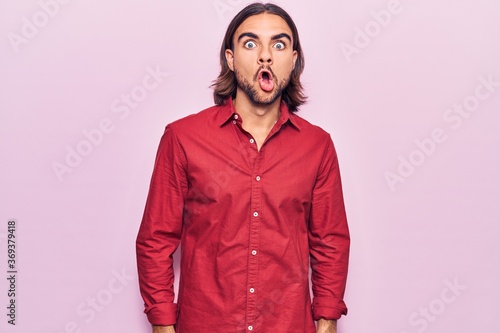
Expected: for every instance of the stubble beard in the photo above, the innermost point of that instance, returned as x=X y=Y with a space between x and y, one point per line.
x=252 y=92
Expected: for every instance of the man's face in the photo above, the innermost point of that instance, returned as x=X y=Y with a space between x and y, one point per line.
x=263 y=58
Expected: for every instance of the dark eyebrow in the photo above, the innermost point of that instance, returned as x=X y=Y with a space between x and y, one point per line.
x=248 y=34
x=280 y=36
x=254 y=36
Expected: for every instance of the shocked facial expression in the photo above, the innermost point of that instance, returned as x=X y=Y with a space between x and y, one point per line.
x=262 y=57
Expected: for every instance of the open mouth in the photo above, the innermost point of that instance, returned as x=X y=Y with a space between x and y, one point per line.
x=265 y=80
x=265 y=75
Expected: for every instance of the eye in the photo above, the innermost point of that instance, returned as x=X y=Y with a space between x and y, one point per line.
x=279 y=45
x=250 y=44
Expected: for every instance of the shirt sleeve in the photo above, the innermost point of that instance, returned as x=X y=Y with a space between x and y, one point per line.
x=160 y=231
x=329 y=240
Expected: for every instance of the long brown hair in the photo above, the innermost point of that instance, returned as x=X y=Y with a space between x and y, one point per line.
x=225 y=85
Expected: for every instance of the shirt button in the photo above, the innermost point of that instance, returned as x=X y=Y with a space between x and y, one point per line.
x=250 y=327
x=254 y=252
x=252 y=290
x=255 y=214
x=257 y=178
x=234 y=121
x=252 y=140
x=235 y=116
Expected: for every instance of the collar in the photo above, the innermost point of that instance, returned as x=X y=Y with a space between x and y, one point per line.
x=227 y=112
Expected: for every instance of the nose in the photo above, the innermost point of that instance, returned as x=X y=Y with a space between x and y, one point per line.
x=265 y=56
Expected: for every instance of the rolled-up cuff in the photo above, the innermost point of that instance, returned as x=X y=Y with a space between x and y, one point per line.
x=328 y=308
x=162 y=314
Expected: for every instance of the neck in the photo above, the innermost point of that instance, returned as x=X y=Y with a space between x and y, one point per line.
x=254 y=115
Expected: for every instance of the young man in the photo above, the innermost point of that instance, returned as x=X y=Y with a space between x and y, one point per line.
x=252 y=193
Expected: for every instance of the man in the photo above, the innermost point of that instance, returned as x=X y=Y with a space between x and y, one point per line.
x=252 y=193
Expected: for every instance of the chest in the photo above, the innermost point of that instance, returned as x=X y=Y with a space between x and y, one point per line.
x=228 y=167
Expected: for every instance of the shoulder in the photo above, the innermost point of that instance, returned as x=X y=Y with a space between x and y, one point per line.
x=308 y=129
x=205 y=117
x=199 y=128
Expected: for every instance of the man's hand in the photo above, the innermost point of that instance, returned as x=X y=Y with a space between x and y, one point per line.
x=163 y=329
x=326 y=326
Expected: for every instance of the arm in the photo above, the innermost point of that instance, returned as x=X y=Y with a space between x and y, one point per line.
x=329 y=241
x=163 y=329
x=160 y=232
x=326 y=326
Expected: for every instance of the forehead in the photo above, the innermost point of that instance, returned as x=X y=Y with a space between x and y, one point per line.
x=264 y=25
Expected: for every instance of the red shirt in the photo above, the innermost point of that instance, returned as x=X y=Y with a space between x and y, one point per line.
x=249 y=223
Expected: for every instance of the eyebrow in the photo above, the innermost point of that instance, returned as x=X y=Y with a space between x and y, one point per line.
x=281 y=36
x=254 y=36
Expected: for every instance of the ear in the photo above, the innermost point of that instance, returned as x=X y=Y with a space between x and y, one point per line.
x=230 y=59
x=295 y=55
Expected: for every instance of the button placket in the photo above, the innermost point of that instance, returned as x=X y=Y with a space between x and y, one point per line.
x=256 y=215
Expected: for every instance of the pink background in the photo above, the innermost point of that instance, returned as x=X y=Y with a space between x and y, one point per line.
x=425 y=249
